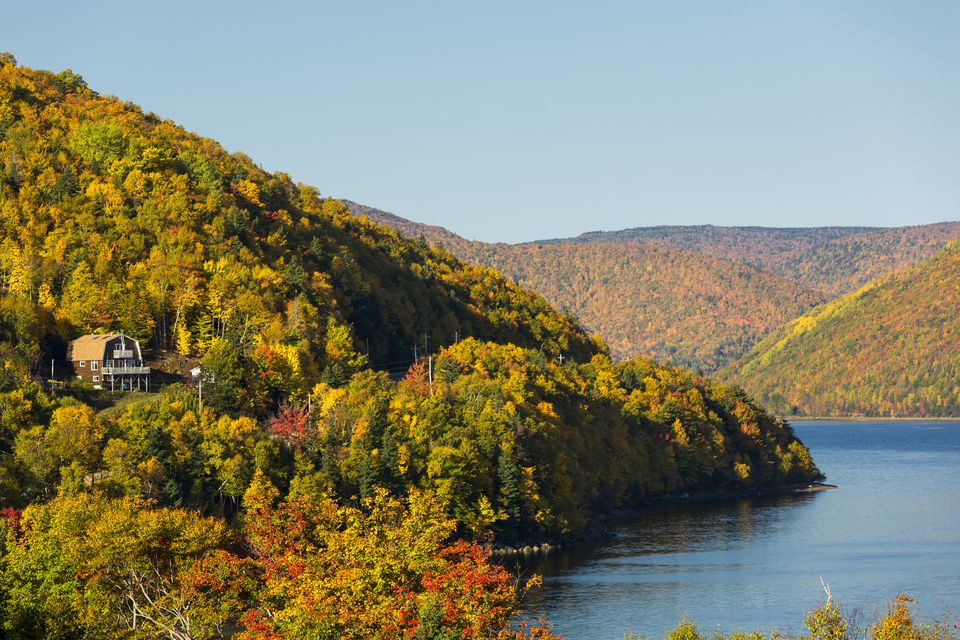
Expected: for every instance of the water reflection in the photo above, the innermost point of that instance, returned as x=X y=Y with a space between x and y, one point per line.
x=893 y=525
x=662 y=560
x=683 y=528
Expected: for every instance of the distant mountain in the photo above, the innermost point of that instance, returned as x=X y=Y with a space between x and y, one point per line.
x=696 y=311
x=409 y=229
x=831 y=260
x=699 y=297
x=891 y=348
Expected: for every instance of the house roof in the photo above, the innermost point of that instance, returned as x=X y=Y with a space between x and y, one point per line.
x=90 y=347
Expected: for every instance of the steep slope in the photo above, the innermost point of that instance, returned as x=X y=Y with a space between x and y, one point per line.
x=891 y=348
x=696 y=311
x=437 y=236
x=847 y=263
x=115 y=219
x=831 y=260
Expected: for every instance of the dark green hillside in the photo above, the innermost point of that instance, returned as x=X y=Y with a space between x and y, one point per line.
x=437 y=236
x=891 y=348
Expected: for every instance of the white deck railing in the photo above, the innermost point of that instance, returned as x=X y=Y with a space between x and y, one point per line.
x=117 y=371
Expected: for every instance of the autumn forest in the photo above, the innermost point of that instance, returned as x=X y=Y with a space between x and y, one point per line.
x=364 y=395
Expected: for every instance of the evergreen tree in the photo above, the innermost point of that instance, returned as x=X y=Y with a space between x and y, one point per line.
x=508 y=477
x=389 y=463
x=369 y=476
x=334 y=375
x=328 y=459
x=66 y=185
x=223 y=374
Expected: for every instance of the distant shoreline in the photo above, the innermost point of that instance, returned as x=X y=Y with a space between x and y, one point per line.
x=867 y=419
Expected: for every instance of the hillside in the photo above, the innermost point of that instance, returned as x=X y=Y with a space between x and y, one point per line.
x=891 y=348
x=698 y=297
x=117 y=220
x=435 y=235
x=830 y=260
x=695 y=311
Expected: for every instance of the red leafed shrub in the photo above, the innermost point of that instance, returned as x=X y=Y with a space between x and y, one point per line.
x=11 y=518
x=291 y=424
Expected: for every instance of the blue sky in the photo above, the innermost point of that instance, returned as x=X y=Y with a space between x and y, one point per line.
x=516 y=121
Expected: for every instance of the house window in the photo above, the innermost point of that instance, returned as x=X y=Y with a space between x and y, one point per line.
x=83 y=363
x=93 y=365
x=96 y=378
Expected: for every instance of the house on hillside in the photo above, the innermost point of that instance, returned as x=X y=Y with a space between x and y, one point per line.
x=109 y=361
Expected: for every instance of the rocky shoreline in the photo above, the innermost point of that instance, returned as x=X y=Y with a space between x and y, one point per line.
x=602 y=531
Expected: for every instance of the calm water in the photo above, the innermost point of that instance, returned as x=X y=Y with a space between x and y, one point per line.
x=893 y=525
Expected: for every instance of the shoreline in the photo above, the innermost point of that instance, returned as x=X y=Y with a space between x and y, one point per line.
x=865 y=419
x=601 y=529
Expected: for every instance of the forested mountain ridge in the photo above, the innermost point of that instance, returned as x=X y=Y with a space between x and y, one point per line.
x=695 y=311
x=308 y=493
x=699 y=296
x=436 y=235
x=891 y=348
x=830 y=260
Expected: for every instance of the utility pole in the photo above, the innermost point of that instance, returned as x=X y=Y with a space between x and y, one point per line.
x=561 y=359
x=430 y=372
x=456 y=337
x=415 y=356
x=426 y=347
x=51 y=372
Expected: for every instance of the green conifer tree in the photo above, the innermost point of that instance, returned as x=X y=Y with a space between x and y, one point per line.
x=389 y=463
x=508 y=477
